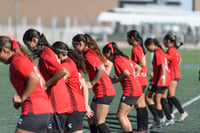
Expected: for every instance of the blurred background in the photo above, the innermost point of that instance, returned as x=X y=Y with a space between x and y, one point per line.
x=105 y=20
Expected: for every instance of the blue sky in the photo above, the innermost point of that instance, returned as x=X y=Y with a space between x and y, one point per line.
x=187 y=5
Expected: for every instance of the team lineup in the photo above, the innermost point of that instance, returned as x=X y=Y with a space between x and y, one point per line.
x=53 y=95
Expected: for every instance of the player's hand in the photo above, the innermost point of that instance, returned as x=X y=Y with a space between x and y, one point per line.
x=163 y=82
x=89 y=85
x=113 y=79
x=17 y=101
x=89 y=111
x=150 y=74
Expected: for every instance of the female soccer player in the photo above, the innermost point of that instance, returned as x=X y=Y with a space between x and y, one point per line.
x=126 y=75
x=99 y=81
x=159 y=84
x=35 y=106
x=139 y=56
x=174 y=62
x=93 y=44
x=53 y=72
x=79 y=98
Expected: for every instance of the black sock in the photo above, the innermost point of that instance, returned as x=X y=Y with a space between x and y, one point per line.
x=160 y=113
x=139 y=119
x=145 y=119
x=170 y=103
x=166 y=108
x=93 y=128
x=152 y=108
x=177 y=104
x=103 y=128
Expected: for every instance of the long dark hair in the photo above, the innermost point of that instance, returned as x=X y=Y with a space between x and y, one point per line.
x=173 y=39
x=112 y=46
x=90 y=42
x=61 y=47
x=42 y=41
x=137 y=37
x=13 y=46
x=155 y=41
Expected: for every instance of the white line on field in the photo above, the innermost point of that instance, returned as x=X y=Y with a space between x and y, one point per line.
x=188 y=103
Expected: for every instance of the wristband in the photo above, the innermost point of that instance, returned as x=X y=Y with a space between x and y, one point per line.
x=163 y=76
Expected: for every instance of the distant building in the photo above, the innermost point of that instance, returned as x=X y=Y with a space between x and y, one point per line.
x=43 y=11
x=196 y=5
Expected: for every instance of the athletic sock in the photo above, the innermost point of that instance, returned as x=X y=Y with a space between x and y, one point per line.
x=139 y=119
x=152 y=108
x=103 y=128
x=177 y=104
x=145 y=119
x=170 y=103
x=160 y=113
x=166 y=108
x=93 y=128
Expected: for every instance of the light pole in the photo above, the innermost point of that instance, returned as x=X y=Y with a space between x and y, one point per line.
x=16 y=17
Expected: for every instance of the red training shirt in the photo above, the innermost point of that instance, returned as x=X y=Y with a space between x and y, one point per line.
x=104 y=86
x=131 y=85
x=138 y=55
x=49 y=64
x=159 y=59
x=37 y=102
x=173 y=63
x=74 y=86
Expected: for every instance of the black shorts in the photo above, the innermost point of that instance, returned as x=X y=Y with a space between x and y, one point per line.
x=176 y=79
x=58 y=122
x=103 y=100
x=129 y=100
x=157 y=89
x=144 y=88
x=75 y=121
x=34 y=123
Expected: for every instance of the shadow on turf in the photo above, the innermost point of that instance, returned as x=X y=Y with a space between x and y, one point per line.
x=113 y=123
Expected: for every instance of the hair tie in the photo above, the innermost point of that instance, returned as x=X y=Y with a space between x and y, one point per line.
x=65 y=52
x=111 y=47
x=15 y=46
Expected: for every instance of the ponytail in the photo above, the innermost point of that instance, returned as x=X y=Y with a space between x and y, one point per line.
x=112 y=46
x=173 y=39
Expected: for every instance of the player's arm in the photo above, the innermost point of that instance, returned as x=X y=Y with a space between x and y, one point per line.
x=138 y=69
x=100 y=71
x=108 y=66
x=123 y=75
x=32 y=81
x=62 y=73
x=163 y=81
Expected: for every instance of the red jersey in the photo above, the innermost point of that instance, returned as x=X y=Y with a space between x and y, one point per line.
x=49 y=65
x=104 y=86
x=131 y=85
x=173 y=63
x=74 y=86
x=138 y=55
x=37 y=102
x=159 y=59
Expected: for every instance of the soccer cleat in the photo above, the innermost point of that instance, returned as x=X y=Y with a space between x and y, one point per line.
x=173 y=116
x=169 y=122
x=163 y=120
x=183 y=116
x=155 y=124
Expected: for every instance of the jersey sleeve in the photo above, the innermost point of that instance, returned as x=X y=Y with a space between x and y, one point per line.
x=93 y=59
x=53 y=63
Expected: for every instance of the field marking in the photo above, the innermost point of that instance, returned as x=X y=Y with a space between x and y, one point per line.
x=188 y=103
